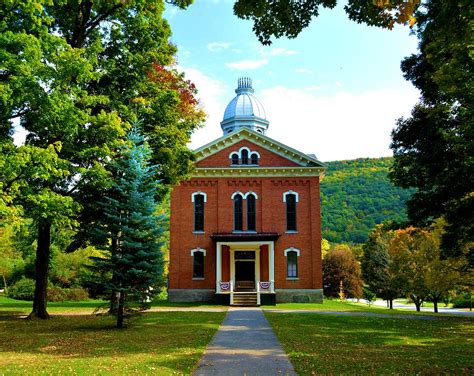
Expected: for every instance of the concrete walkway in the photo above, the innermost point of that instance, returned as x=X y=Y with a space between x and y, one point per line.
x=244 y=345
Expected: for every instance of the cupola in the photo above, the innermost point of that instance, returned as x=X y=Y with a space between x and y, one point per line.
x=245 y=110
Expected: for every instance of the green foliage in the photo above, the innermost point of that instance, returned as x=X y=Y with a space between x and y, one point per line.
x=434 y=148
x=376 y=262
x=24 y=289
x=463 y=301
x=58 y=294
x=134 y=256
x=288 y=18
x=368 y=295
x=76 y=74
x=356 y=195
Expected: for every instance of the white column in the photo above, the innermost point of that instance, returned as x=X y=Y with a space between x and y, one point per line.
x=271 y=265
x=218 y=266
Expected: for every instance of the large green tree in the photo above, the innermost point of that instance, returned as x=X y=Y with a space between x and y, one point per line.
x=434 y=148
x=73 y=75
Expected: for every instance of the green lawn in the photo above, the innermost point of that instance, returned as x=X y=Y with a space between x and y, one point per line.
x=10 y=306
x=331 y=344
x=348 y=306
x=158 y=343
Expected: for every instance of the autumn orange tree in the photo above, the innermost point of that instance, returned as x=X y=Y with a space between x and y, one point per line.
x=340 y=265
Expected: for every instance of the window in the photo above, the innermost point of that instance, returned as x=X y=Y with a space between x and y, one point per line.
x=291 y=200
x=245 y=156
x=251 y=213
x=254 y=159
x=238 y=212
x=235 y=159
x=198 y=262
x=199 y=200
x=292 y=264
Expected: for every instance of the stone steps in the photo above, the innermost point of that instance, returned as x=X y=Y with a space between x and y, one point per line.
x=245 y=299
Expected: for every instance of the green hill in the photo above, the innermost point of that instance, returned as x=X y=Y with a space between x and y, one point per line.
x=356 y=195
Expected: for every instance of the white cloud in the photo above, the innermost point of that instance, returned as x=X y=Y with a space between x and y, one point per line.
x=303 y=71
x=338 y=84
x=247 y=64
x=213 y=96
x=312 y=88
x=282 y=51
x=339 y=126
x=237 y=50
x=218 y=46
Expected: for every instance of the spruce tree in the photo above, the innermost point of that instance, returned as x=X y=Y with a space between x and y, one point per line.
x=133 y=257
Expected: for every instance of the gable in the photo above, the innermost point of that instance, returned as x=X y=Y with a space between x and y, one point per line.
x=272 y=153
x=267 y=158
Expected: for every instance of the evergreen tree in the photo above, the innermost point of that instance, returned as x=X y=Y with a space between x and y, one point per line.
x=133 y=258
x=375 y=264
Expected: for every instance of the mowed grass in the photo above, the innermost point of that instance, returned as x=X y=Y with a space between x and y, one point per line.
x=332 y=344
x=10 y=306
x=158 y=343
x=334 y=305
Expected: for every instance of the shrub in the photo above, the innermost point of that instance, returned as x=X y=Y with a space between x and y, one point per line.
x=24 y=289
x=58 y=294
x=463 y=301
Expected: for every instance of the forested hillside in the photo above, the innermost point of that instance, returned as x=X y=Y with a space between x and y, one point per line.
x=356 y=195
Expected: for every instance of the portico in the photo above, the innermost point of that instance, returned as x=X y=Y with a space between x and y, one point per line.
x=245 y=266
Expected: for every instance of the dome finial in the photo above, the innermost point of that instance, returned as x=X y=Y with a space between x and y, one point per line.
x=244 y=85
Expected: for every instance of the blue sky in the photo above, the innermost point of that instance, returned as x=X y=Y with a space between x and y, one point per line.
x=336 y=90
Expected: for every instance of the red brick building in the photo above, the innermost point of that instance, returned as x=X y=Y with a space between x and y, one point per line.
x=246 y=227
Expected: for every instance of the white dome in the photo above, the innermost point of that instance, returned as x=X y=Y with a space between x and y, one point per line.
x=244 y=105
x=245 y=110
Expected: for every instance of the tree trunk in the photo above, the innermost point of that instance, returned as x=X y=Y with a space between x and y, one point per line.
x=435 y=304
x=113 y=297
x=41 y=270
x=5 y=284
x=120 y=310
x=391 y=303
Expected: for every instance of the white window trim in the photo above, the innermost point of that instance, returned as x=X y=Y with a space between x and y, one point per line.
x=292 y=249
x=198 y=193
x=237 y=193
x=193 y=251
x=244 y=148
x=250 y=193
x=239 y=152
x=290 y=192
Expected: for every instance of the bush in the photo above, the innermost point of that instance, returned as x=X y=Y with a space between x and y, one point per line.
x=463 y=301
x=24 y=289
x=58 y=294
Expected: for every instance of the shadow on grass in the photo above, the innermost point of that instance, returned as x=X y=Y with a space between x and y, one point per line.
x=345 y=344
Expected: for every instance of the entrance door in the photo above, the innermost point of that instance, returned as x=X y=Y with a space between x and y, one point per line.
x=244 y=270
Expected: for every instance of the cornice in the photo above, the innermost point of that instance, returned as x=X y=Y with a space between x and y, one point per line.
x=257 y=172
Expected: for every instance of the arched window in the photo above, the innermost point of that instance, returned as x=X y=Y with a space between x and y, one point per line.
x=198 y=262
x=251 y=213
x=291 y=199
x=235 y=159
x=238 y=212
x=254 y=159
x=245 y=157
x=292 y=262
x=199 y=198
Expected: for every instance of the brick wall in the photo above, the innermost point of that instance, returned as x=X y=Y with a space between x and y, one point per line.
x=271 y=217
